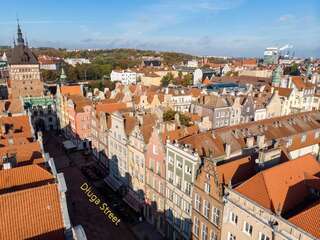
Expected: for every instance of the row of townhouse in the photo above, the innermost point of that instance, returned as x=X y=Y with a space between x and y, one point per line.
x=145 y=98
x=74 y=114
x=224 y=110
x=177 y=176
x=29 y=185
x=233 y=155
x=176 y=162
x=200 y=164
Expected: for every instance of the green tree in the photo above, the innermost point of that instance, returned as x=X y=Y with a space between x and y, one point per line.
x=169 y=115
x=293 y=70
x=49 y=75
x=167 y=79
x=184 y=120
x=187 y=80
x=101 y=85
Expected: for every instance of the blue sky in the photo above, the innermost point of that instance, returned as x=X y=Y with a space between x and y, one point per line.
x=203 y=27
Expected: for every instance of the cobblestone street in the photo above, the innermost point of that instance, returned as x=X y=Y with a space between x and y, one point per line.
x=96 y=225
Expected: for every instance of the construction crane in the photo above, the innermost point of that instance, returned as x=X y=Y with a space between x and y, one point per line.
x=288 y=52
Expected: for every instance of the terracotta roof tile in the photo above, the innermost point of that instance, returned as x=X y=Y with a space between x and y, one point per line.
x=71 y=90
x=13 y=106
x=32 y=213
x=236 y=171
x=285 y=92
x=19 y=124
x=308 y=219
x=110 y=107
x=80 y=102
x=300 y=83
x=282 y=187
x=23 y=176
x=24 y=154
x=205 y=144
x=179 y=133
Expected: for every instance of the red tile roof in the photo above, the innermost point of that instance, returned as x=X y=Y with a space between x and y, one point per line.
x=19 y=124
x=236 y=171
x=300 y=83
x=33 y=213
x=23 y=176
x=71 y=90
x=309 y=219
x=282 y=187
x=205 y=144
x=80 y=102
x=179 y=133
x=110 y=107
x=13 y=106
x=24 y=154
x=285 y=92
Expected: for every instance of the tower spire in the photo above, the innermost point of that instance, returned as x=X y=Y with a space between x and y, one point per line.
x=27 y=44
x=20 y=39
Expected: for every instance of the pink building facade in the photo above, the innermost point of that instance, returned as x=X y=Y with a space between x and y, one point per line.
x=155 y=184
x=79 y=114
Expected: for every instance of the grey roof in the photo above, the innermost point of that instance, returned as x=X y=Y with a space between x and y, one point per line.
x=21 y=54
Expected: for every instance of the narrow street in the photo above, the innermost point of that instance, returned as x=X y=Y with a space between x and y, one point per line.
x=96 y=225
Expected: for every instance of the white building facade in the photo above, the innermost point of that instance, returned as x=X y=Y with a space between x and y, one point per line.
x=125 y=77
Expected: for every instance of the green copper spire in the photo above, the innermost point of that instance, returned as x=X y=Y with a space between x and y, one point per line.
x=309 y=71
x=63 y=76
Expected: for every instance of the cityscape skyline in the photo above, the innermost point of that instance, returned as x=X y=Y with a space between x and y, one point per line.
x=169 y=25
x=133 y=144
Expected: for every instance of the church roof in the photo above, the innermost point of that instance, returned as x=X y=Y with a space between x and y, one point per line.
x=21 y=53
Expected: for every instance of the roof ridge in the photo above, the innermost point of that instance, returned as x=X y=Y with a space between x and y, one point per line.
x=51 y=185
x=267 y=189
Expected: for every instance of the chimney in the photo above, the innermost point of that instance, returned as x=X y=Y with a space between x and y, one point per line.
x=10 y=139
x=249 y=142
x=260 y=141
x=272 y=89
x=227 y=149
x=7 y=165
x=177 y=119
x=290 y=82
x=3 y=129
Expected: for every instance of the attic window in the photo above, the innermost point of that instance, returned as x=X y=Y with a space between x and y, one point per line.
x=303 y=138
x=317 y=134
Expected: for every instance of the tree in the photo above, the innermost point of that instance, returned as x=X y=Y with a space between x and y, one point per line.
x=232 y=74
x=167 y=79
x=49 y=75
x=184 y=119
x=169 y=115
x=101 y=85
x=293 y=70
x=187 y=80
